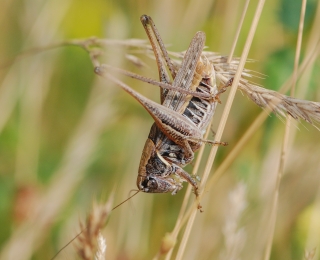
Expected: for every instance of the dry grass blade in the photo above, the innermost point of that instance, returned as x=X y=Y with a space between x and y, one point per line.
x=223 y=120
x=178 y=224
x=254 y=127
x=244 y=12
x=285 y=144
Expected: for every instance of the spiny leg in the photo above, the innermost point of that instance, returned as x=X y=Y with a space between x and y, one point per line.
x=158 y=47
x=196 y=139
x=191 y=180
x=172 y=124
x=188 y=152
x=163 y=85
x=184 y=76
x=154 y=37
x=187 y=177
x=222 y=90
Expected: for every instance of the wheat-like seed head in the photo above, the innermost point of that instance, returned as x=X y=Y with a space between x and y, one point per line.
x=91 y=243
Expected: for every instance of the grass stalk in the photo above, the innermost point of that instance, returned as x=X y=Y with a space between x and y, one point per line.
x=222 y=122
x=285 y=144
x=178 y=225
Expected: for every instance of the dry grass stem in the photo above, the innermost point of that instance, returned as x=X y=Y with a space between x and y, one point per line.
x=236 y=37
x=223 y=120
x=304 y=68
x=179 y=221
x=178 y=225
x=285 y=144
x=237 y=148
x=309 y=59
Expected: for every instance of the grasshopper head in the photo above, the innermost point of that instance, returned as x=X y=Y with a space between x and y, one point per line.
x=155 y=184
x=155 y=173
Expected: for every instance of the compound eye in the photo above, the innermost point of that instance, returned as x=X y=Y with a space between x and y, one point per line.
x=152 y=184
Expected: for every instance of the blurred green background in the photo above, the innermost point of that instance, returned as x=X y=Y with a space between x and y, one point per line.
x=68 y=138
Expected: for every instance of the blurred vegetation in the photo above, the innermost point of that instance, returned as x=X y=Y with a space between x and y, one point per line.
x=68 y=138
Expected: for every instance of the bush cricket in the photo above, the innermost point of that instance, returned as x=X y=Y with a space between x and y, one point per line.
x=187 y=106
x=180 y=120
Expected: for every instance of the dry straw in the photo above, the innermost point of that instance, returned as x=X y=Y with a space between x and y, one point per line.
x=285 y=144
x=223 y=120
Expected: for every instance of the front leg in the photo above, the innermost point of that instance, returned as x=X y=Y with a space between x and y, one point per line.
x=186 y=177
x=223 y=89
x=210 y=142
x=190 y=179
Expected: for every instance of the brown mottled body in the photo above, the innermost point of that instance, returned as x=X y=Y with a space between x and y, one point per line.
x=166 y=152
x=187 y=106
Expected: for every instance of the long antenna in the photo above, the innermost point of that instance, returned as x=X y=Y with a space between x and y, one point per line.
x=137 y=191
